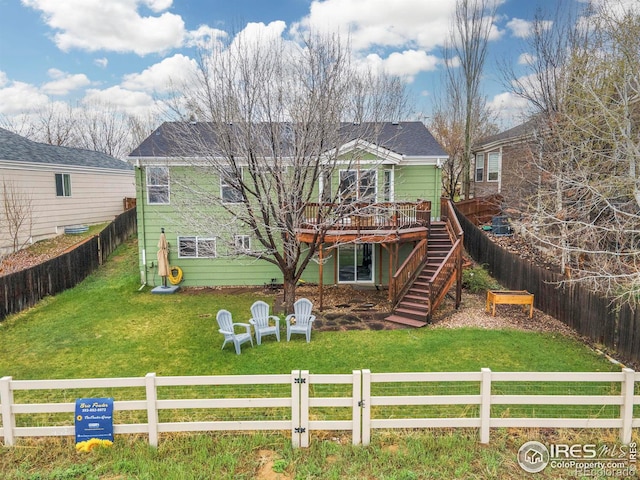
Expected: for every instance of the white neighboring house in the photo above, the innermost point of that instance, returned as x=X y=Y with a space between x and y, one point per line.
x=60 y=186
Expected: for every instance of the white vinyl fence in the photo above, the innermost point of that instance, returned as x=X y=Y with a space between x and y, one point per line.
x=302 y=403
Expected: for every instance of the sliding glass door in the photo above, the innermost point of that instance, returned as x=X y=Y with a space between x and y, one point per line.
x=355 y=263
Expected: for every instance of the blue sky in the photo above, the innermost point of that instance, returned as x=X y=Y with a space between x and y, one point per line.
x=124 y=51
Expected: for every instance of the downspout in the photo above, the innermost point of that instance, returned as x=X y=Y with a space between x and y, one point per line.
x=141 y=229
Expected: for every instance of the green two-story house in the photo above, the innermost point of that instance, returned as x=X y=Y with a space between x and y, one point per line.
x=385 y=193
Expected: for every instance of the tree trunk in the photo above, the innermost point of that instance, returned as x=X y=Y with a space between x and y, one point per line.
x=289 y=288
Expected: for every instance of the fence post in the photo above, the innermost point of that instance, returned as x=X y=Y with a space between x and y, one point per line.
x=8 y=419
x=295 y=408
x=152 y=408
x=485 y=404
x=304 y=408
x=626 y=409
x=366 y=406
x=356 y=407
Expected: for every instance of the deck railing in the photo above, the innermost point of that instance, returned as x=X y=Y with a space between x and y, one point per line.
x=368 y=216
x=451 y=268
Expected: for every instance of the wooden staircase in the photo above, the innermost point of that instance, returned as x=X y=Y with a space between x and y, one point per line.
x=425 y=290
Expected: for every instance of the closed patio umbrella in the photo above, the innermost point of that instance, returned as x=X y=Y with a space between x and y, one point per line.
x=163 y=258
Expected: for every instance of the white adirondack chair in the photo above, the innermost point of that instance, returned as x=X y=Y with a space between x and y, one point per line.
x=261 y=321
x=301 y=320
x=227 y=328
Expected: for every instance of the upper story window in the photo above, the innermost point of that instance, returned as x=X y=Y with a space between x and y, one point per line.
x=387 y=186
x=479 y=167
x=358 y=185
x=63 y=185
x=229 y=187
x=325 y=186
x=196 y=247
x=493 y=165
x=157 y=185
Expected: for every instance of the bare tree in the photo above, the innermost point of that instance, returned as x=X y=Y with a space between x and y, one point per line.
x=465 y=57
x=448 y=127
x=585 y=210
x=270 y=129
x=95 y=126
x=17 y=214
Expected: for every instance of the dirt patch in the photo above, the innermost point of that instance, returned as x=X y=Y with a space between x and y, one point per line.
x=365 y=308
x=267 y=461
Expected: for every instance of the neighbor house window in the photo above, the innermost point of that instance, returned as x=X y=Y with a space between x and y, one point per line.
x=157 y=185
x=229 y=187
x=358 y=185
x=63 y=185
x=243 y=243
x=196 y=247
x=480 y=167
x=492 y=167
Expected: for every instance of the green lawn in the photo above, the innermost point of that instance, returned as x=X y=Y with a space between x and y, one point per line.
x=106 y=327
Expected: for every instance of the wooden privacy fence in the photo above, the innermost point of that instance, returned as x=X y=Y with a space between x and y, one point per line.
x=603 y=320
x=27 y=287
x=301 y=403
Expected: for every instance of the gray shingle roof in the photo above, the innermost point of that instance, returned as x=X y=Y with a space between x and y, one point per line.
x=16 y=148
x=404 y=138
x=524 y=129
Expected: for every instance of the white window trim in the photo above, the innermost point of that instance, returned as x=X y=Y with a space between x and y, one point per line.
x=392 y=174
x=479 y=161
x=197 y=243
x=358 y=172
x=242 y=248
x=65 y=193
x=224 y=184
x=168 y=185
x=373 y=268
x=497 y=169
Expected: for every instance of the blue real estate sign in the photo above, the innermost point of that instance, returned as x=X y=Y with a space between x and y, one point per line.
x=94 y=419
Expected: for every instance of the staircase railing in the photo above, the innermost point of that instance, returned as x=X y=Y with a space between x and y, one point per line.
x=450 y=269
x=407 y=272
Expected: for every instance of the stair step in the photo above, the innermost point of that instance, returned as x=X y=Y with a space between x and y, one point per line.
x=422 y=292
x=412 y=314
x=415 y=306
x=416 y=298
x=405 y=321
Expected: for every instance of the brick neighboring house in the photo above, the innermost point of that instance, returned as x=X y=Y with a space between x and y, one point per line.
x=504 y=164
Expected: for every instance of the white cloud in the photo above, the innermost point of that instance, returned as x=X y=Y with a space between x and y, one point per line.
x=101 y=62
x=134 y=103
x=520 y=28
x=64 y=82
x=524 y=28
x=405 y=64
x=258 y=31
x=416 y=23
x=20 y=97
x=204 y=36
x=160 y=77
x=113 y=25
x=526 y=59
x=510 y=109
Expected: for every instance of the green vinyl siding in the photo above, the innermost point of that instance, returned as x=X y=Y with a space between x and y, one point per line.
x=414 y=182
x=411 y=183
